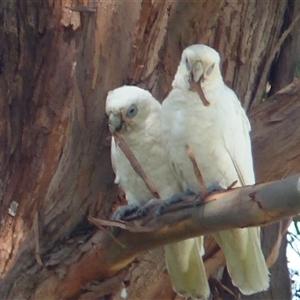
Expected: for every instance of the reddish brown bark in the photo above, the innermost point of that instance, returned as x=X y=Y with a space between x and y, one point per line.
x=56 y=67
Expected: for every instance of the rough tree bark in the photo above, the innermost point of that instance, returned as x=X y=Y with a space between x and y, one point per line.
x=58 y=60
x=256 y=205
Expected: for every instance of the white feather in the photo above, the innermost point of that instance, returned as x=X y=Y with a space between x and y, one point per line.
x=218 y=135
x=143 y=134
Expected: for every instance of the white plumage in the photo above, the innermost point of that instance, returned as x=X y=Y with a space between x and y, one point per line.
x=142 y=133
x=218 y=135
x=136 y=115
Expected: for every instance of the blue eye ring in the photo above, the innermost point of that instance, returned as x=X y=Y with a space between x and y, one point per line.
x=132 y=111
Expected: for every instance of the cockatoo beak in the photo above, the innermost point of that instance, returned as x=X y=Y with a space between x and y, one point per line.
x=115 y=122
x=197 y=71
x=196 y=78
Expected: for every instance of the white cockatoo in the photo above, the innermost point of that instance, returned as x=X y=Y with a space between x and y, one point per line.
x=217 y=131
x=136 y=116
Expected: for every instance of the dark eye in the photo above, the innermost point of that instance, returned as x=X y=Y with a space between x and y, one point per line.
x=187 y=65
x=132 y=111
x=209 y=70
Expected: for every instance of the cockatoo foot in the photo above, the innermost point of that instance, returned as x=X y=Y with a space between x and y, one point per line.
x=213 y=188
x=198 y=200
x=143 y=210
x=124 y=211
x=174 y=199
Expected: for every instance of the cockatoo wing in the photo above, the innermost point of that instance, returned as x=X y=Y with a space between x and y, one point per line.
x=245 y=261
x=237 y=140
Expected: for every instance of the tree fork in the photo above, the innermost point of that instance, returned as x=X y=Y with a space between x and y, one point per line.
x=255 y=205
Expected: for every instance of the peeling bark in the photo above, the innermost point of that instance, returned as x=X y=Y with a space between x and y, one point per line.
x=58 y=60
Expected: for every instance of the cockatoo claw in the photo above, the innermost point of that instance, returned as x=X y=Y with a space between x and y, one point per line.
x=213 y=188
x=143 y=210
x=172 y=200
x=124 y=211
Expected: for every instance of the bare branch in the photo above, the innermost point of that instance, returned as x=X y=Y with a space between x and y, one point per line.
x=255 y=205
x=36 y=231
x=196 y=87
x=82 y=8
x=97 y=223
x=197 y=172
x=136 y=165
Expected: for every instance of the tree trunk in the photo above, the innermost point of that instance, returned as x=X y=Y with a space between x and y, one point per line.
x=58 y=60
x=283 y=69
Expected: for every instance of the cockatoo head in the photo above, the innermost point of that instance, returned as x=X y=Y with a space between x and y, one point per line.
x=199 y=63
x=129 y=108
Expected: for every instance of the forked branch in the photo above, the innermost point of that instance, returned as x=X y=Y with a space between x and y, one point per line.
x=248 y=206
